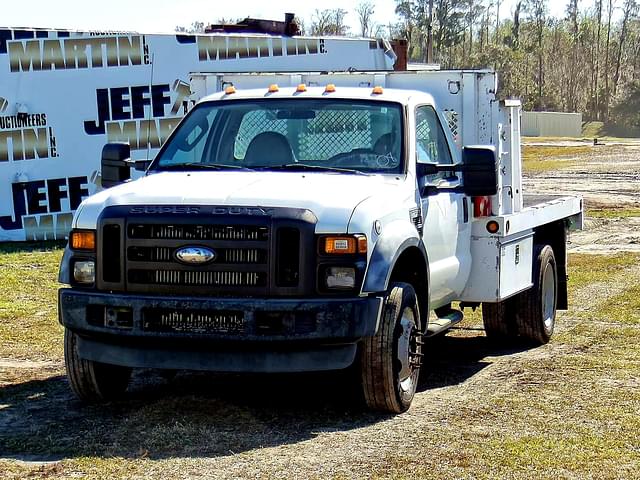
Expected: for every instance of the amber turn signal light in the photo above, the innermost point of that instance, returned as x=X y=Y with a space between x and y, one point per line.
x=345 y=245
x=493 y=226
x=83 y=240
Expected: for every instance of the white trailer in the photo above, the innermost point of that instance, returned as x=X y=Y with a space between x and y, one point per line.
x=301 y=221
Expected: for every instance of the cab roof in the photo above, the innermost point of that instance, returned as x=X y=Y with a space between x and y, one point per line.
x=401 y=96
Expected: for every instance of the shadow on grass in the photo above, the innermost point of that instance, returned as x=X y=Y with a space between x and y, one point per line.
x=453 y=359
x=205 y=415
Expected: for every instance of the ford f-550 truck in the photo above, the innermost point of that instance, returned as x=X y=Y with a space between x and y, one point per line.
x=317 y=222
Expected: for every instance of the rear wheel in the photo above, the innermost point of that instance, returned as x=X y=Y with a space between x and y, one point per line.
x=499 y=319
x=92 y=381
x=390 y=360
x=529 y=315
x=536 y=309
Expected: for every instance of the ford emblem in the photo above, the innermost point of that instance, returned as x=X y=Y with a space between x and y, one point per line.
x=195 y=255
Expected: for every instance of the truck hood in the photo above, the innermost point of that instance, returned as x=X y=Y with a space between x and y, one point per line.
x=331 y=197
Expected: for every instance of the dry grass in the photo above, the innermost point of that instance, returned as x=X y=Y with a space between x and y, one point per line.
x=28 y=293
x=565 y=410
x=614 y=211
x=543 y=158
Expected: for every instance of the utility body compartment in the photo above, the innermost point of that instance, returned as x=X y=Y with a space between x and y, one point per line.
x=501 y=267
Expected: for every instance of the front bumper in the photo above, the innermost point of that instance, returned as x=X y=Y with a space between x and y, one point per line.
x=275 y=335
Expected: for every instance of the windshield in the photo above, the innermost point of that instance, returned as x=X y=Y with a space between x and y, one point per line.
x=345 y=136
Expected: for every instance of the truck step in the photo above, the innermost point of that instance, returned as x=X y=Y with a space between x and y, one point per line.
x=444 y=321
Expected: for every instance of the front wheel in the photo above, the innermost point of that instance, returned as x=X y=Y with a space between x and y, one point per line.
x=91 y=381
x=390 y=360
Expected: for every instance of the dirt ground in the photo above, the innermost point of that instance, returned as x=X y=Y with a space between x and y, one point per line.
x=482 y=411
x=608 y=179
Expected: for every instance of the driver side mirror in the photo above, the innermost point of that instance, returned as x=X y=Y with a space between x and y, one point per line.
x=115 y=165
x=480 y=171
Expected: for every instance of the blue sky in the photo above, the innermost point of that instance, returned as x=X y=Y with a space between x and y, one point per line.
x=163 y=15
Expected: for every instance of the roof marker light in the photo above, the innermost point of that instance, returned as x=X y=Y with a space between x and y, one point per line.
x=274 y=88
x=330 y=88
x=301 y=88
x=377 y=90
x=229 y=90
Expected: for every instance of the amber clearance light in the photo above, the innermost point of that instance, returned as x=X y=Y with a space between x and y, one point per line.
x=83 y=240
x=345 y=245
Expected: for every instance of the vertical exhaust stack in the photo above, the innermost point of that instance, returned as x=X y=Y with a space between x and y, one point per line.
x=401 y=49
x=291 y=28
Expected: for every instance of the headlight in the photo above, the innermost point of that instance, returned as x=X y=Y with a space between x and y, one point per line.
x=84 y=271
x=341 y=277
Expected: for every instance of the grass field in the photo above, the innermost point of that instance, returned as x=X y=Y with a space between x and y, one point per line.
x=565 y=410
x=543 y=158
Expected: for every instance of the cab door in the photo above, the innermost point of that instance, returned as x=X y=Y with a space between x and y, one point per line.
x=446 y=213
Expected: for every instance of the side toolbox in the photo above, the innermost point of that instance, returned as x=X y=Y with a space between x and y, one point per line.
x=501 y=267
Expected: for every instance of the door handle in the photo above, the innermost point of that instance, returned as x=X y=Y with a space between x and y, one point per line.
x=465 y=210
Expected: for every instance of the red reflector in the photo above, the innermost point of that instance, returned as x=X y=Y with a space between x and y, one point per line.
x=481 y=206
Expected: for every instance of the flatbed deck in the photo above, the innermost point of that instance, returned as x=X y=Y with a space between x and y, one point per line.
x=537 y=210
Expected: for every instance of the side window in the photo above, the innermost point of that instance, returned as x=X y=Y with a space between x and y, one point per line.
x=431 y=141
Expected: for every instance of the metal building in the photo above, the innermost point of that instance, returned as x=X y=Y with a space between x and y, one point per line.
x=551 y=124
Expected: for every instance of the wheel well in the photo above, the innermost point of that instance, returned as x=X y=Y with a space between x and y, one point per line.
x=411 y=267
x=555 y=235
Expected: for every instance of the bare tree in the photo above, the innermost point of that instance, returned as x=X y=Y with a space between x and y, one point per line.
x=329 y=22
x=572 y=80
x=629 y=10
x=606 y=64
x=365 y=11
x=597 y=61
x=515 y=29
x=538 y=12
x=498 y=3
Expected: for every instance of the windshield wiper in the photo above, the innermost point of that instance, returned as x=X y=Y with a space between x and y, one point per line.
x=293 y=167
x=202 y=166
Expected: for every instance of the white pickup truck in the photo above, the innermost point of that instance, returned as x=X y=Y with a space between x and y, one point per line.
x=318 y=222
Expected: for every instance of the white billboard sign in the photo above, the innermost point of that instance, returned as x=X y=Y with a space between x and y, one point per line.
x=63 y=95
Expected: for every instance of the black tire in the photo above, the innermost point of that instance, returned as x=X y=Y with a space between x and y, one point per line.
x=499 y=320
x=92 y=382
x=535 y=313
x=389 y=382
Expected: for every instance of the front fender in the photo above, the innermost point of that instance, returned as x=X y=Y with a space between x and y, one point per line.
x=64 y=273
x=395 y=239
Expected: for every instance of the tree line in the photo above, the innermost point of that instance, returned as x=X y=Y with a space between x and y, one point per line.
x=586 y=61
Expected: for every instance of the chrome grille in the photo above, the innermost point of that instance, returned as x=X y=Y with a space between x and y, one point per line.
x=225 y=255
x=198 y=232
x=198 y=278
x=193 y=321
x=234 y=255
x=240 y=265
